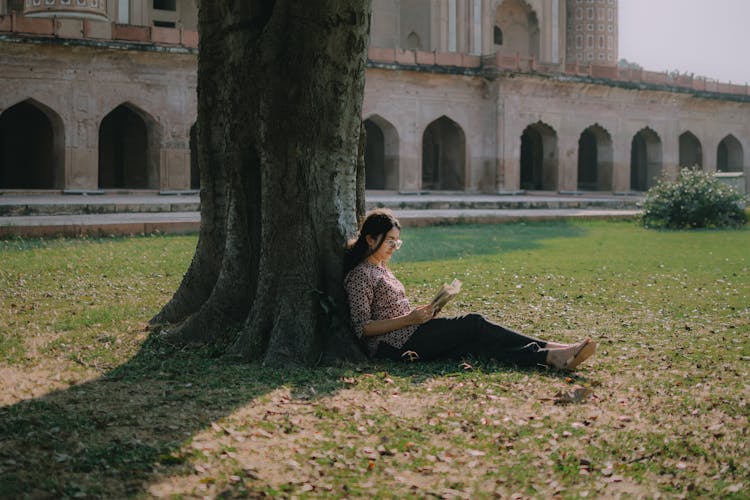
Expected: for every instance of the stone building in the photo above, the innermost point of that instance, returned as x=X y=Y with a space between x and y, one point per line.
x=494 y=96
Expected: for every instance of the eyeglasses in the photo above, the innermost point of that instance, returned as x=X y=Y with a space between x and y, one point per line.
x=394 y=243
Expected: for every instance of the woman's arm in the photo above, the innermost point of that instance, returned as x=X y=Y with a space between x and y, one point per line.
x=417 y=316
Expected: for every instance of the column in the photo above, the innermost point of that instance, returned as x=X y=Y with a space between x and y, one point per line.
x=670 y=151
x=488 y=24
x=439 y=29
x=452 y=25
x=621 y=143
x=462 y=26
x=555 y=32
x=410 y=161
x=710 y=147
x=567 y=162
x=476 y=27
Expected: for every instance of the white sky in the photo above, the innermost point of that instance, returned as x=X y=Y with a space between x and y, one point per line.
x=706 y=37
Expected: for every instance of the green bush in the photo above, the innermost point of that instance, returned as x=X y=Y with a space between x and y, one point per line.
x=695 y=200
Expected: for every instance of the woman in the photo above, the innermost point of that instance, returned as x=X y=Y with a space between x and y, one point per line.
x=390 y=328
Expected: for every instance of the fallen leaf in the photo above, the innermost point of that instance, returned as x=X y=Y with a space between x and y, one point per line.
x=262 y=433
x=577 y=395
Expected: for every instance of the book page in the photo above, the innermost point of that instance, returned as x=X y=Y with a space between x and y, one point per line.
x=446 y=293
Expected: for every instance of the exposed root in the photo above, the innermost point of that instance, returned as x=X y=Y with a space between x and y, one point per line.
x=232 y=293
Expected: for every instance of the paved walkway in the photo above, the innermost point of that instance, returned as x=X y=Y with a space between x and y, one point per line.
x=63 y=214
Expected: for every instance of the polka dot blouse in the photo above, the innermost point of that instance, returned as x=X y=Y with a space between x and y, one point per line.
x=375 y=294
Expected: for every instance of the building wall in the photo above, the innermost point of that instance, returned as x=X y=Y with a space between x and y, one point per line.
x=82 y=85
x=480 y=112
x=494 y=115
x=411 y=101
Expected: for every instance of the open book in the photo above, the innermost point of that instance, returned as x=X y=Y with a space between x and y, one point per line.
x=446 y=293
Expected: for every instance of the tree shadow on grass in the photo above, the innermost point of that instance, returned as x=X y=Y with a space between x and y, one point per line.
x=435 y=243
x=116 y=435
x=113 y=436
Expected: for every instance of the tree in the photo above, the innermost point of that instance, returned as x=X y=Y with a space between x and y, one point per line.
x=280 y=88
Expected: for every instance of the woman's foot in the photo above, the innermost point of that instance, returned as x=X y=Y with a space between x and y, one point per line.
x=586 y=349
x=568 y=358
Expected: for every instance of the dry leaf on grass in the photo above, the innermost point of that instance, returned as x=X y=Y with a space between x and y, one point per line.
x=576 y=395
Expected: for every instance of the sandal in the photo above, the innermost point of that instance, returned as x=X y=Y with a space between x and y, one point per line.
x=585 y=351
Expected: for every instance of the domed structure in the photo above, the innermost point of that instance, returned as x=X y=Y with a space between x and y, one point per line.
x=91 y=9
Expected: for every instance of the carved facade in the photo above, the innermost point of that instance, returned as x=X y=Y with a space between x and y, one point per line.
x=461 y=95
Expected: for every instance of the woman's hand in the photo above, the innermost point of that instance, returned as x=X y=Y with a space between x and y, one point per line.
x=421 y=314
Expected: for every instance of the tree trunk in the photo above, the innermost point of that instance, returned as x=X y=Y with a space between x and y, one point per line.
x=361 y=207
x=280 y=87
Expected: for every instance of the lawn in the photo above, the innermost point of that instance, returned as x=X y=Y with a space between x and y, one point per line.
x=91 y=407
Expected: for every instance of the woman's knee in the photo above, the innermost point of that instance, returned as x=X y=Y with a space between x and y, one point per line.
x=475 y=319
x=473 y=323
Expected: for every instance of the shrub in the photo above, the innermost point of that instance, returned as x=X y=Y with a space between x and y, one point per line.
x=695 y=200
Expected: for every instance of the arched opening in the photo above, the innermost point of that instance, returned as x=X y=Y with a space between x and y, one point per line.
x=381 y=154
x=374 y=157
x=195 y=174
x=729 y=155
x=518 y=27
x=539 y=158
x=128 y=154
x=443 y=155
x=497 y=35
x=595 y=160
x=32 y=147
x=645 y=160
x=413 y=42
x=691 y=152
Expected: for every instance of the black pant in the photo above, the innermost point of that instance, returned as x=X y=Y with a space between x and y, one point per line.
x=468 y=336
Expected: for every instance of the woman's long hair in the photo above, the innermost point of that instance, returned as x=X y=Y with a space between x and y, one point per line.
x=376 y=225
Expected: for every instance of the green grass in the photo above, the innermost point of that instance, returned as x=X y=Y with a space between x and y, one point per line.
x=92 y=408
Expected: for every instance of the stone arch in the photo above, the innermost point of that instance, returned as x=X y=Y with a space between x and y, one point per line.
x=645 y=159
x=128 y=149
x=691 y=151
x=539 y=157
x=729 y=155
x=444 y=155
x=497 y=35
x=381 y=154
x=32 y=147
x=518 y=25
x=595 y=159
x=413 y=42
x=195 y=174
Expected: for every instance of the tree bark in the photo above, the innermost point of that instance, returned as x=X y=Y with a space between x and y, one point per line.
x=280 y=87
x=361 y=207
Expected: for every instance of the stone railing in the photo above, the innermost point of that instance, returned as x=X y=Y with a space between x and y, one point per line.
x=503 y=63
x=90 y=29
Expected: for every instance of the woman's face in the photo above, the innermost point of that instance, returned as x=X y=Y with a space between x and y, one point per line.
x=390 y=245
